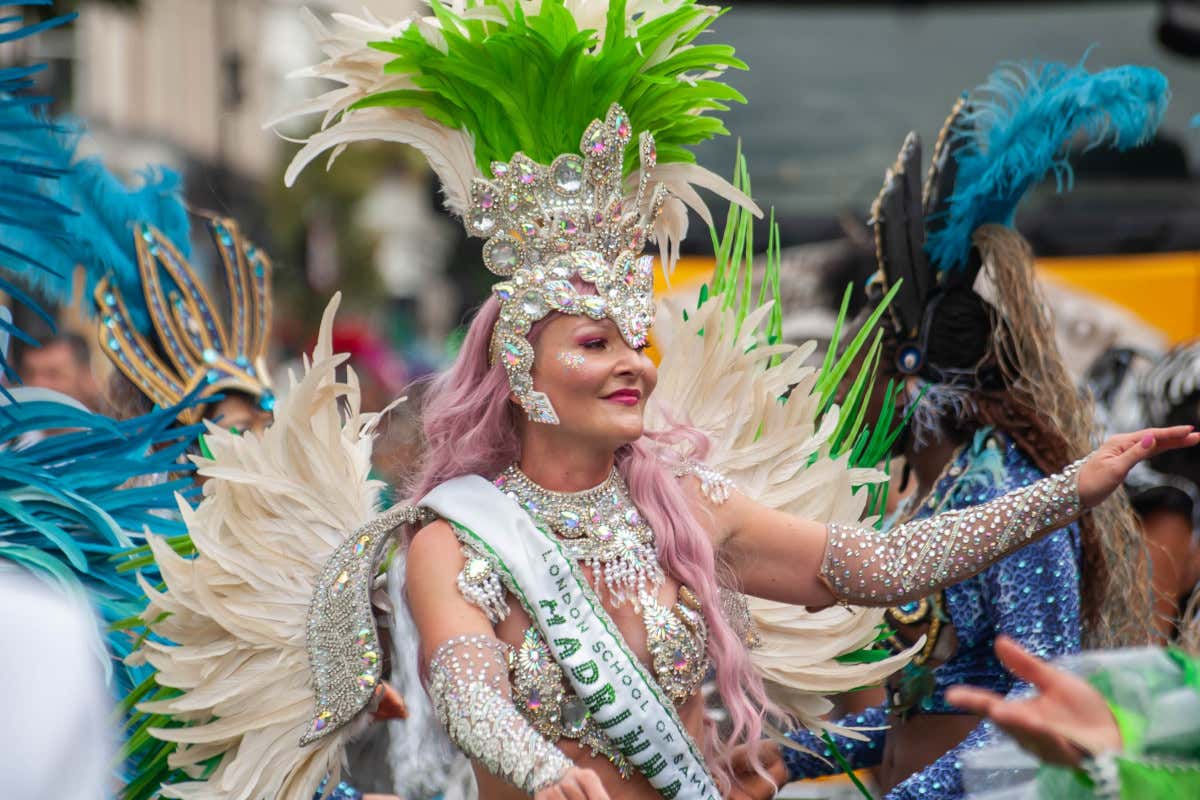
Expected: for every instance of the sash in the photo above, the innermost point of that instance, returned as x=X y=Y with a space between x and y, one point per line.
x=618 y=690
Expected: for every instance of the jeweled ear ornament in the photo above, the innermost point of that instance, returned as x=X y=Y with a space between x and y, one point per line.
x=910 y=357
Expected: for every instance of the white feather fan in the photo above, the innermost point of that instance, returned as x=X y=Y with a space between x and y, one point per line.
x=723 y=385
x=235 y=613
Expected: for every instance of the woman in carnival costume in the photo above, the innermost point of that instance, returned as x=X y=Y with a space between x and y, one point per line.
x=995 y=410
x=565 y=562
x=1107 y=724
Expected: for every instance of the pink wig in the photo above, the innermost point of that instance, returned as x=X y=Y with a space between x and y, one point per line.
x=470 y=429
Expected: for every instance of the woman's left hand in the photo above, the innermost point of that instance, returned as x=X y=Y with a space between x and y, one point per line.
x=1106 y=468
x=749 y=784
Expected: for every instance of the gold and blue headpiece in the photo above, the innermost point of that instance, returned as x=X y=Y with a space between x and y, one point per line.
x=198 y=349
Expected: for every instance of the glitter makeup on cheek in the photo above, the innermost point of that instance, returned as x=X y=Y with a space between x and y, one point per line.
x=571 y=361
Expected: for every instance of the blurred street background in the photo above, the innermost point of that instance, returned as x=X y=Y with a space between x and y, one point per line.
x=832 y=89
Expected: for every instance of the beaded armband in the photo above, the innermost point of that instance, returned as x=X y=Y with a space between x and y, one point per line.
x=468 y=681
x=713 y=483
x=915 y=559
x=480 y=584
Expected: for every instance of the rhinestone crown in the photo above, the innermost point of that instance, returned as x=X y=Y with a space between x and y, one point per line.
x=571 y=221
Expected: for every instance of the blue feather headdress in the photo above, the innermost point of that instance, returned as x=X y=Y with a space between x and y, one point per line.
x=21 y=209
x=998 y=142
x=92 y=217
x=1016 y=129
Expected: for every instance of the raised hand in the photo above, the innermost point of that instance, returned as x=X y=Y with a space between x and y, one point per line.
x=1066 y=722
x=1107 y=467
x=575 y=784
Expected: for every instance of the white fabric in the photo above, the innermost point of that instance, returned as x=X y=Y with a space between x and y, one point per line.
x=56 y=741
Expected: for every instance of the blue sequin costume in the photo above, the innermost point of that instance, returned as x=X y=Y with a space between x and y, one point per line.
x=1032 y=596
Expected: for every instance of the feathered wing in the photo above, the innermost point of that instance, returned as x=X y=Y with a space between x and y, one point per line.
x=70 y=503
x=721 y=378
x=230 y=627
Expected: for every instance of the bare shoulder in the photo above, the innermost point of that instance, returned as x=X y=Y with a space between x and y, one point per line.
x=433 y=542
x=434 y=559
x=438 y=607
x=715 y=517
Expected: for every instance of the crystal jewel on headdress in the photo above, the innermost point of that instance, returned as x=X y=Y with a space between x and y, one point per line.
x=548 y=225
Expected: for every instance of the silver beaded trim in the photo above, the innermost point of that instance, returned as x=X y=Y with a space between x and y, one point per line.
x=479 y=582
x=910 y=561
x=343 y=642
x=467 y=681
x=713 y=483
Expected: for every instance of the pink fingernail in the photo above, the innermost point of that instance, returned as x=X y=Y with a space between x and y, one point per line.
x=1148 y=441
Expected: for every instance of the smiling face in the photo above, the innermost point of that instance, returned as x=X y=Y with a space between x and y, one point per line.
x=597 y=383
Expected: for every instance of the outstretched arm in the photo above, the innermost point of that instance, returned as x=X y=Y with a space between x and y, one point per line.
x=781 y=557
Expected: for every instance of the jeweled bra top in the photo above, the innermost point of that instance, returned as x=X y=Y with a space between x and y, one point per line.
x=604 y=531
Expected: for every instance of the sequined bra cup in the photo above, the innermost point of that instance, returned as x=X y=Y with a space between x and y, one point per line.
x=603 y=530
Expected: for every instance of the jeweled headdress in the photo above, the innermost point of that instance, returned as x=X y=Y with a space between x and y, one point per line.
x=198 y=350
x=550 y=126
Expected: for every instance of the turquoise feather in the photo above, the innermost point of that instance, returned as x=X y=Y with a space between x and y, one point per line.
x=1017 y=131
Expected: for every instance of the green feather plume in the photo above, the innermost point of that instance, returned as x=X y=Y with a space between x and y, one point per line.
x=532 y=82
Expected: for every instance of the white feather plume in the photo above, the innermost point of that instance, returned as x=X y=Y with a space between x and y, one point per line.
x=724 y=386
x=235 y=614
x=359 y=68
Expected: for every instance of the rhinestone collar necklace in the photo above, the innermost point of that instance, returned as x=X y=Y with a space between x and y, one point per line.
x=599 y=527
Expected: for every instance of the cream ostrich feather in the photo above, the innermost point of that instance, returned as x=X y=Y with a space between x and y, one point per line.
x=352 y=62
x=233 y=618
x=721 y=380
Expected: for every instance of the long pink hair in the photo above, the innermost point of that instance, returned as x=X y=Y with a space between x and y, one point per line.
x=470 y=428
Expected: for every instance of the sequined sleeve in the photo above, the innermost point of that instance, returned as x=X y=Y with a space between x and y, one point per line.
x=469 y=687
x=913 y=560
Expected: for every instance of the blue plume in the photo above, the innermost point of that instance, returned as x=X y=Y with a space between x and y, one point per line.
x=72 y=504
x=1017 y=131
x=90 y=212
x=19 y=208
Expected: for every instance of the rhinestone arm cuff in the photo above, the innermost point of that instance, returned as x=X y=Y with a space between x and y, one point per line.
x=480 y=584
x=866 y=567
x=468 y=683
x=713 y=483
